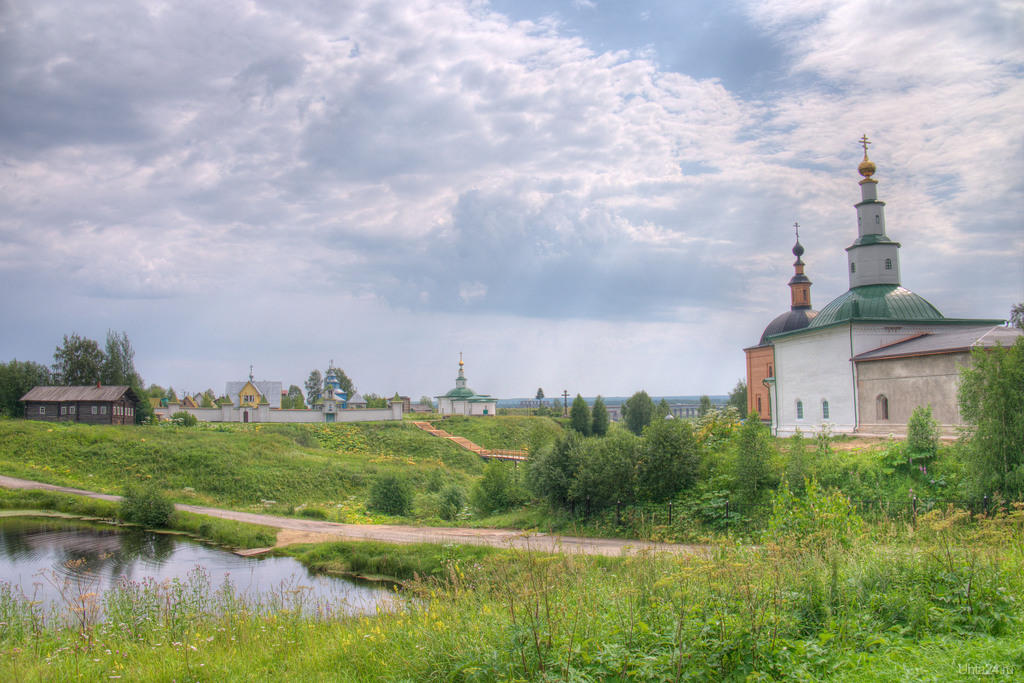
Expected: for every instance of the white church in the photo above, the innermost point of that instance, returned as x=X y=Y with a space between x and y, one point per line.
x=865 y=361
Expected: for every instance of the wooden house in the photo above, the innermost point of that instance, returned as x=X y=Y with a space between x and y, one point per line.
x=92 y=405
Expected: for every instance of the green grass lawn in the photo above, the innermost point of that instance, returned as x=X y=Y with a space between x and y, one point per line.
x=227 y=465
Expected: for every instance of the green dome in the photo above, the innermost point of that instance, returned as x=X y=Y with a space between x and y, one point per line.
x=877 y=303
x=460 y=392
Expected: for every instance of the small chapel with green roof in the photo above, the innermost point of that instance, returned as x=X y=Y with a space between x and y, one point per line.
x=464 y=401
x=865 y=361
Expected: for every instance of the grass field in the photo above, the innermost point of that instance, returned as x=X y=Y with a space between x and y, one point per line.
x=934 y=606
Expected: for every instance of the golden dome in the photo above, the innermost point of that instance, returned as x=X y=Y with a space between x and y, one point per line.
x=867 y=167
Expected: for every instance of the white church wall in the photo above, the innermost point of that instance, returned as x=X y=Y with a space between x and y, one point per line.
x=813 y=368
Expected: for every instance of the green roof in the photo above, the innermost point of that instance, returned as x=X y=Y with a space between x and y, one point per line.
x=871 y=238
x=877 y=303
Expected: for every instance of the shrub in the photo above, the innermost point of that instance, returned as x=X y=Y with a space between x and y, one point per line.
x=452 y=502
x=184 y=419
x=816 y=521
x=922 y=432
x=497 y=490
x=148 y=507
x=391 y=494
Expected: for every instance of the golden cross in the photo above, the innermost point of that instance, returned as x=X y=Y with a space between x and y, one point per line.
x=864 y=143
x=797 y=226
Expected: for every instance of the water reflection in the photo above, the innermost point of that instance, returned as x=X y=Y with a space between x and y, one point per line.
x=51 y=558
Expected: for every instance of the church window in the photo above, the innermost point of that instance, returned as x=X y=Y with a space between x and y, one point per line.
x=799 y=410
x=759 y=405
x=882 y=407
x=770 y=371
x=824 y=410
x=878 y=220
x=853 y=267
x=888 y=264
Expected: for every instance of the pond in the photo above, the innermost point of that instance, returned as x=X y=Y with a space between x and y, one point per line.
x=65 y=565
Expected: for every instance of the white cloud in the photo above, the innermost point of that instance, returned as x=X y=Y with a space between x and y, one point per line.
x=387 y=161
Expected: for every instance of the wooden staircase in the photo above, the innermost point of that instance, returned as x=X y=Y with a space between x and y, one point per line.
x=497 y=454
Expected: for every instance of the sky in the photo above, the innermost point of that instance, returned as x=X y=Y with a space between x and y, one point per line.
x=595 y=196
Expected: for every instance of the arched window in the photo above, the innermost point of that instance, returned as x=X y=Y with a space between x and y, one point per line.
x=824 y=410
x=758 y=405
x=882 y=407
x=799 y=410
x=878 y=220
x=888 y=264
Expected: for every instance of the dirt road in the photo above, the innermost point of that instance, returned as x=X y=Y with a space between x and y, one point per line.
x=295 y=530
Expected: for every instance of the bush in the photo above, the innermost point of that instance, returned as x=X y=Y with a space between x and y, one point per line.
x=391 y=494
x=817 y=521
x=452 y=502
x=497 y=490
x=148 y=507
x=184 y=419
x=922 y=432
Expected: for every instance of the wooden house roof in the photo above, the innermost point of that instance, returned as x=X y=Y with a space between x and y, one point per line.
x=90 y=393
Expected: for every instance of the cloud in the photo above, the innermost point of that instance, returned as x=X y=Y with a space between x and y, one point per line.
x=388 y=162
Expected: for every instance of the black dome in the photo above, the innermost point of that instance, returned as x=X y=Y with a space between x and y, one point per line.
x=796 y=319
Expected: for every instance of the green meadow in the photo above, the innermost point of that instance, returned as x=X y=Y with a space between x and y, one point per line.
x=801 y=586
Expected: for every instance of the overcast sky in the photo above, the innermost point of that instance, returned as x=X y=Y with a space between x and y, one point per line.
x=591 y=195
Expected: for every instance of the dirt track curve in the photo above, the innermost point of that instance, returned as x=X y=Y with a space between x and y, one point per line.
x=295 y=530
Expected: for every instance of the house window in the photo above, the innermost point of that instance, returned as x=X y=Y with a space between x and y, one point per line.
x=42 y=410
x=63 y=410
x=799 y=410
x=94 y=409
x=103 y=410
x=888 y=264
x=882 y=407
x=824 y=410
x=71 y=410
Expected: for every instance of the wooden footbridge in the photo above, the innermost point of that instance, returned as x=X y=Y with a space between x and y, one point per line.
x=495 y=454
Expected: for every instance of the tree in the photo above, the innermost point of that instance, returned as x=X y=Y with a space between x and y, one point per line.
x=16 y=379
x=738 y=399
x=314 y=386
x=599 y=418
x=991 y=397
x=663 y=410
x=78 y=362
x=753 y=457
x=1017 y=316
x=344 y=383
x=427 y=402
x=637 y=412
x=156 y=391
x=705 y=405
x=375 y=401
x=293 y=399
x=670 y=460
x=118 y=367
x=607 y=470
x=552 y=471
x=540 y=393
x=579 y=416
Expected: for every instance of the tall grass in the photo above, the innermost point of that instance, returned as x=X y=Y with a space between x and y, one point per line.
x=926 y=609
